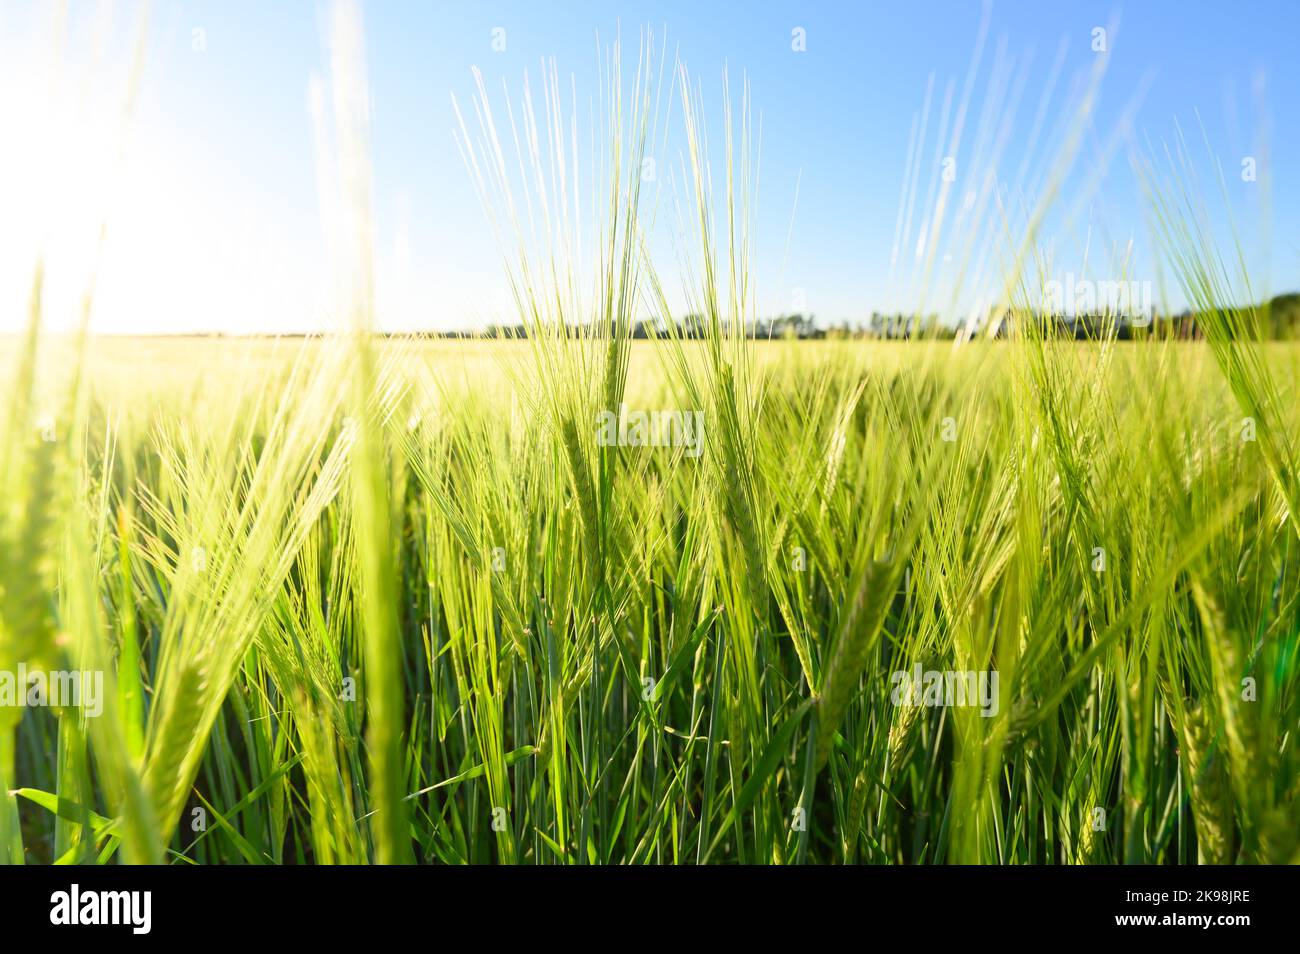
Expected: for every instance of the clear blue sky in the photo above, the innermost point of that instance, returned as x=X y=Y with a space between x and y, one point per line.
x=224 y=166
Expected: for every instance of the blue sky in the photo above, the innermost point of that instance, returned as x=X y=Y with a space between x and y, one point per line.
x=214 y=213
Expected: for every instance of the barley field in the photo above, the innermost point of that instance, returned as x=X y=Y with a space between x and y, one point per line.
x=575 y=597
x=510 y=644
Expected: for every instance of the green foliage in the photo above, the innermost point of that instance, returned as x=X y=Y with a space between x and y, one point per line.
x=364 y=600
x=524 y=657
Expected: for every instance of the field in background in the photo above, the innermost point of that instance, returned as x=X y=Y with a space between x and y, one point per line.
x=161 y=365
x=663 y=658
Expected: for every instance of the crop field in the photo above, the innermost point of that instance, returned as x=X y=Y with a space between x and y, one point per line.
x=516 y=645
x=631 y=580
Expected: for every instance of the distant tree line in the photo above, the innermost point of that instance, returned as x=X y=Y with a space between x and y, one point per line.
x=1279 y=320
x=1280 y=317
x=690 y=326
